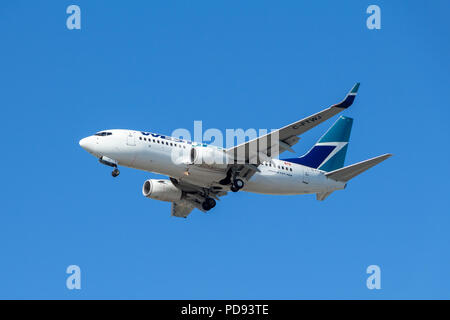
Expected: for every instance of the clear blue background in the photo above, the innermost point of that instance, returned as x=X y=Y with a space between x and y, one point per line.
x=160 y=65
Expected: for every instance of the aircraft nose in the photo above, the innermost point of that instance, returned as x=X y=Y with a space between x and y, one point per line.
x=84 y=143
x=88 y=144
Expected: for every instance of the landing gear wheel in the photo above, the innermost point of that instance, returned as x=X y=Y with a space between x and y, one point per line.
x=211 y=202
x=234 y=189
x=115 y=172
x=238 y=184
x=208 y=204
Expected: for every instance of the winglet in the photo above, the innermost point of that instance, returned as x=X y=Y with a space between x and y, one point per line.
x=348 y=101
x=355 y=89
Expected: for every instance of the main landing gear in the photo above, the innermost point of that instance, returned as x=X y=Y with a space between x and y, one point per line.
x=115 y=172
x=232 y=178
x=208 y=204
x=237 y=185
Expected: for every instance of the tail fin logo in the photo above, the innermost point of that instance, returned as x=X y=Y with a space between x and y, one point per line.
x=337 y=146
x=329 y=152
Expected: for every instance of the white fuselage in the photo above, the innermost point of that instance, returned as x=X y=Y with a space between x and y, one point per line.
x=168 y=156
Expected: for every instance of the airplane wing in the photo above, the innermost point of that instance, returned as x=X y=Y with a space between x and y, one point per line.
x=272 y=144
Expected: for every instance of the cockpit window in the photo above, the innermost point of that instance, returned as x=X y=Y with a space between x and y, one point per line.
x=103 y=134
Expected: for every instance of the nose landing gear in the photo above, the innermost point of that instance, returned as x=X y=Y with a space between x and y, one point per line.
x=111 y=163
x=115 y=172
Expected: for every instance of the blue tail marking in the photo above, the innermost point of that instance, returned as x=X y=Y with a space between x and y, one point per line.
x=329 y=152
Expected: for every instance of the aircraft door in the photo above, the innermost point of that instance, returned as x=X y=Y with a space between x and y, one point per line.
x=131 y=139
x=306 y=176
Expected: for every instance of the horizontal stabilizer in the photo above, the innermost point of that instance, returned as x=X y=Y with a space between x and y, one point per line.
x=349 y=172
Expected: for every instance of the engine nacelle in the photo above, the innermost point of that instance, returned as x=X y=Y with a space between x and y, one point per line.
x=163 y=190
x=209 y=156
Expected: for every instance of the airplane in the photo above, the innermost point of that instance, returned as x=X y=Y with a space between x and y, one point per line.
x=199 y=174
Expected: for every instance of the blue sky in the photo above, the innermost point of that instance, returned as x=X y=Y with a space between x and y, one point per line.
x=160 y=65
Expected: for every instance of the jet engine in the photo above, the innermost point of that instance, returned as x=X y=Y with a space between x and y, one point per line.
x=209 y=156
x=163 y=190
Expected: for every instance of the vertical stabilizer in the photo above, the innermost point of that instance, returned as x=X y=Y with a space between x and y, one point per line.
x=329 y=152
